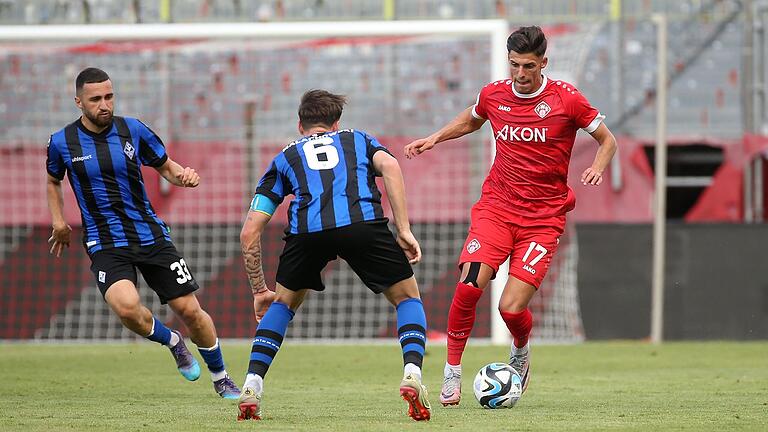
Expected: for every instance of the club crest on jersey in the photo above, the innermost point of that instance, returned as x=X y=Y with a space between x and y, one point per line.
x=542 y=109
x=129 y=150
x=473 y=246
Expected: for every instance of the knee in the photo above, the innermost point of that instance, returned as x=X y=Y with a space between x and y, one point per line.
x=397 y=301
x=476 y=274
x=402 y=291
x=284 y=298
x=190 y=314
x=289 y=298
x=128 y=311
x=512 y=305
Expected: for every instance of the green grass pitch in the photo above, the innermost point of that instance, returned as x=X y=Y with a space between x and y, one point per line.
x=586 y=387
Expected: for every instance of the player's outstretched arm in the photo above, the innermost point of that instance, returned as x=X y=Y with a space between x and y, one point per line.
x=250 y=244
x=178 y=175
x=463 y=124
x=61 y=230
x=395 y=187
x=594 y=174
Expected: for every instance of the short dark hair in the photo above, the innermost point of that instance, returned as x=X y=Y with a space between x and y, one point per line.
x=319 y=107
x=528 y=40
x=88 y=76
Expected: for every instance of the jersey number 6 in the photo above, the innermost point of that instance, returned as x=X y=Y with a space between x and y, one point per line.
x=321 y=154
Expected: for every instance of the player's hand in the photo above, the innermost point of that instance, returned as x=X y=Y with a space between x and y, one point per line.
x=59 y=238
x=418 y=147
x=591 y=176
x=188 y=177
x=261 y=302
x=410 y=246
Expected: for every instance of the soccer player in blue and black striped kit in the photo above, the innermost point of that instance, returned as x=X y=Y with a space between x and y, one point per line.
x=336 y=212
x=102 y=155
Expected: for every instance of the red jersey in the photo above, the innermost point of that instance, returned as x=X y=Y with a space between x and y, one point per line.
x=534 y=136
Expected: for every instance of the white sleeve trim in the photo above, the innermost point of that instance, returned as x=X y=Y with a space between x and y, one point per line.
x=594 y=124
x=475 y=114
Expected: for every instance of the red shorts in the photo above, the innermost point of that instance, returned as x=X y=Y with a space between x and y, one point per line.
x=493 y=238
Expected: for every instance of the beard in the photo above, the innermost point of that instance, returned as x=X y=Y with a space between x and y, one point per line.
x=100 y=121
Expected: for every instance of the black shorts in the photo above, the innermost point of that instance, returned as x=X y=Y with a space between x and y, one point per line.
x=161 y=264
x=369 y=248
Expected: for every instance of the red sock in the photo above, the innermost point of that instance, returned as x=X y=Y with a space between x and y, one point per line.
x=461 y=318
x=519 y=324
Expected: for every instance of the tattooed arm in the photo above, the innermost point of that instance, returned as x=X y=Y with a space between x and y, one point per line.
x=250 y=243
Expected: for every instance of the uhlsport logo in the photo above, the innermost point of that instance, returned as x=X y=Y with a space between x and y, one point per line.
x=542 y=109
x=128 y=149
x=81 y=158
x=473 y=246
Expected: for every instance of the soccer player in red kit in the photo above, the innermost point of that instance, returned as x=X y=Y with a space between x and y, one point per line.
x=521 y=212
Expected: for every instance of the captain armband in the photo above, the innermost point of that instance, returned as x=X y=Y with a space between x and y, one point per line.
x=262 y=204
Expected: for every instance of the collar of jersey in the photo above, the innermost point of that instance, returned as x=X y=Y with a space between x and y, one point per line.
x=85 y=130
x=317 y=134
x=530 y=95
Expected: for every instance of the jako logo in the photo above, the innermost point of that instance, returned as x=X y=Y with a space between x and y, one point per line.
x=517 y=133
x=504 y=108
x=81 y=158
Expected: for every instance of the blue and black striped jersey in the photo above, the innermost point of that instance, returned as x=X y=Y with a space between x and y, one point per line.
x=104 y=171
x=331 y=177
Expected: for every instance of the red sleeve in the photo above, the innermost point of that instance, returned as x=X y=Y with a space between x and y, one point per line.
x=480 y=110
x=583 y=114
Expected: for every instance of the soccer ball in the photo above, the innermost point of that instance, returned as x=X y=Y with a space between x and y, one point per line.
x=497 y=385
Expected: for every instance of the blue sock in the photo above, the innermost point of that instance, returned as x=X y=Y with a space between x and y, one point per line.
x=268 y=338
x=160 y=333
x=213 y=357
x=411 y=330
